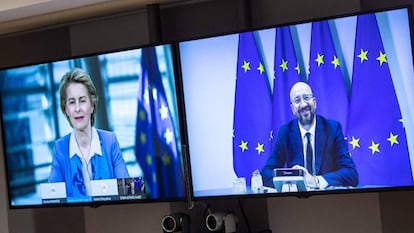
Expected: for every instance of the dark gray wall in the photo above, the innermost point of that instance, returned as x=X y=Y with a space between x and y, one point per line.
x=109 y=33
x=36 y=46
x=397 y=212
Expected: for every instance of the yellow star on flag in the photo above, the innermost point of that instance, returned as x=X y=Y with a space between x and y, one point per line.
x=146 y=97
x=260 y=68
x=142 y=115
x=335 y=62
x=243 y=146
x=260 y=148
x=354 y=142
x=382 y=58
x=297 y=68
x=246 y=66
x=166 y=159
x=393 y=139
x=363 y=55
x=148 y=159
x=374 y=147
x=168 y=135
x=154 y=93
x=163 y=112
x=154 y=177
x=319 y=59
x=284 y=65
x=143 y=138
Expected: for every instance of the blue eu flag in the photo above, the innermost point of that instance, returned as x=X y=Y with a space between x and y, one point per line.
x=376 y=129
x=156 y=147
x=325 y=75
x=252 y=109
x=287 y=73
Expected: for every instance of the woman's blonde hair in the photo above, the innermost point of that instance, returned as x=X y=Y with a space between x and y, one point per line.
x=78 y=75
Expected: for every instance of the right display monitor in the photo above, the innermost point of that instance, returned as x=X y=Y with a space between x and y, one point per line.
x=316 y=107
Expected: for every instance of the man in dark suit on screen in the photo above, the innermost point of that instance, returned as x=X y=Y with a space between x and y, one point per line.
x=312 y=144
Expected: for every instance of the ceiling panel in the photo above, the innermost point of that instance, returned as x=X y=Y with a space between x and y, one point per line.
x=20 y=15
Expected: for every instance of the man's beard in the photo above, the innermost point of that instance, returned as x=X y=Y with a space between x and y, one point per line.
x=306 y=120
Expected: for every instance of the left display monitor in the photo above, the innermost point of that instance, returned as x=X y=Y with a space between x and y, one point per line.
x=92 y=130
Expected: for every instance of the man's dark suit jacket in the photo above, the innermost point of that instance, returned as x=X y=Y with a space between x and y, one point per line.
x=332 y=159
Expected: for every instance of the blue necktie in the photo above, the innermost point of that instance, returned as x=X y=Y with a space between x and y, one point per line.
x=309 y=155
